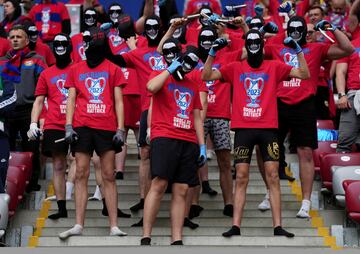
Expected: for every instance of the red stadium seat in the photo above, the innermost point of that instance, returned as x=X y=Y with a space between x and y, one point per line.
x=324 y=147
x=12 y=190
x=325 y=124
x=346 y=183
x=18 y=175
x=22 y=158
x=335 y=159
x=352 y=196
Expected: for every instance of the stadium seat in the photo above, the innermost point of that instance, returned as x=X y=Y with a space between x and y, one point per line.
x=340 y=174
x=324 y=147
x=4 y=210
x=22 y=158
x=352 y=196
x=335 y=159
x=12 y=190
x=18 y=175
x=325 y=124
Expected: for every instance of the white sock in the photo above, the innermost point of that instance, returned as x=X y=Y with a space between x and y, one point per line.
x=69 y=190
x=76 y=230
x=305 y=205
x=116 y=231
x=97 y=193
x=267 y=196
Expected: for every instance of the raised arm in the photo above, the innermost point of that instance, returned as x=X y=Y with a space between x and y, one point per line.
x=174 y=25
x=302 y=72
x=353 y=20
x=148 y=11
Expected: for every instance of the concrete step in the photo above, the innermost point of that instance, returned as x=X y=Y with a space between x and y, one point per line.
x=206 y=213
x=203 y=222
x=201 y=231
x=109 y=241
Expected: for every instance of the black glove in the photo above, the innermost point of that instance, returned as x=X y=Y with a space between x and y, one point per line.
x=70 y=135
x=118 y=139
x=291 y=43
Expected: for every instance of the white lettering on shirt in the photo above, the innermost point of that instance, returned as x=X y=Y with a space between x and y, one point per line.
x=252 y=112
x=211 y=98
x=294 y=82
x=63 y=108
x=182 y=123
x=96 y=108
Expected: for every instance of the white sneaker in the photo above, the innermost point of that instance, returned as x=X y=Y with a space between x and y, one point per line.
x=51 y=198
x=304 y=210
x=115 y=231
x=97 y=194
x=264 y=205
x=76 y=230
x=210 y=154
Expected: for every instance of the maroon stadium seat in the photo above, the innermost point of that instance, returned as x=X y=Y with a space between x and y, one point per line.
x=335 y=159
x=346 y=183
x=18 y=175
x=352 y=197
x=324 y=147
x=22 y=158
x=325 y=124
x=12 y=190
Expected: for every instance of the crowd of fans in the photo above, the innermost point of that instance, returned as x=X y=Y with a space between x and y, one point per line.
x=267 y=70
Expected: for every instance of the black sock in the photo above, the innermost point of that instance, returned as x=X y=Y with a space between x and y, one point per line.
x=139 y=223
x=188 y=223
x=195 y=211
x=120 y=213
x=228 y=210
x=207 y=189
x=62 y=212
x=178 y=242
x=119 y=175
x=145 y=241
x=138 y=206
x=234 y=230
x=280 y=231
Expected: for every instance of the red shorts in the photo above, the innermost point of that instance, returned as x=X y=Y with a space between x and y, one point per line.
x=132 y=109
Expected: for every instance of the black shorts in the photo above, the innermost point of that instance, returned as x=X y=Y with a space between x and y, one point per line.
x=143 y=128
x=246 y=139
x=300 y=120
x=174 y=160
x=49 y=147
x=93 y=139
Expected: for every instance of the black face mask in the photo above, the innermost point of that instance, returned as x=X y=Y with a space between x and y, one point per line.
x=126 y=26
x=206 y=38
x=62 y=49
x=95 y=43
x=153 y=31
x=297 y=29
x=32 y=33
x=189 y=61
x=171 y=49
x=204 y=21
x=90 y=18
x=114 y=12
x=254 y=45
x=256 y=23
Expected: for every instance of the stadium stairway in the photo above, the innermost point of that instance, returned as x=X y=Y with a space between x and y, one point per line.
x=256 y=226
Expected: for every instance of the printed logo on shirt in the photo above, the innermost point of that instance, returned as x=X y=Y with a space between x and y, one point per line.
x=125 y=72
x=96 y=87
x=81 y=51
x=28 y=63
x=156 y=61
x=183 y=97
x=116 y=40
x=60 y=81
x=291 y=59
x=45 y=18
x=253 y=84
x=210 y=84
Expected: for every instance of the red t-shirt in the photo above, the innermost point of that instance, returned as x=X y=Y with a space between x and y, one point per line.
x=48 y=19
x=44 y=50
x=172 y=109
x=95 y=105
x=144 y=60
x=254 y=98
x=4 y=46
x=193 y=6
x=296 y=90
x=51 y=84
x=195 y=75
x=353 y=72
x=78 y=52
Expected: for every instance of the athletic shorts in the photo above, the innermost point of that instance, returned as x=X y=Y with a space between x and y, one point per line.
x=300 y=120
x=49 y=147
x=143 y=128
x=91 y=140
x=174 y=160
x=219 y=130
x=132 y=111
x=246 y=139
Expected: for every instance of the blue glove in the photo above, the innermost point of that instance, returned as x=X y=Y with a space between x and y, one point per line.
x=269 y=27
x=248 y=20
x=285 y=7
x=174 y=66
x=327 y=135
x=325 y=25
x=218 y=44
x=259 y=10
x=213 y=19
x=291 y=43
x=202 y=156
x=161 y=2
x=106 y=26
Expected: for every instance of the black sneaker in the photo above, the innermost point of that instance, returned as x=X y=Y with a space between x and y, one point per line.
x=145 y=241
